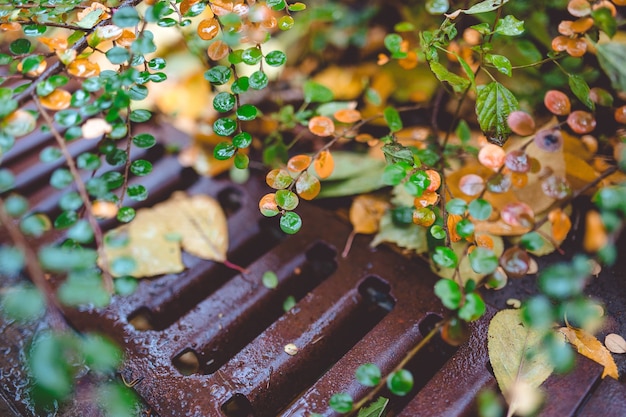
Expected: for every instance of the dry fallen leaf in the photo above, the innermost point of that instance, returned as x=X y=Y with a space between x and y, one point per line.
x=366 y=212
x=509 y=342
x=587 y=345
x=615 y=343
x=291 y=349
x=155 y=236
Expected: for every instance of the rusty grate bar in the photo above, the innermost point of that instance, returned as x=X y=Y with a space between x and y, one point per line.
x=211 y=342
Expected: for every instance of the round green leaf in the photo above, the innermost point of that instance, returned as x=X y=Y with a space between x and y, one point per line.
x=258 y=80
x=11 y=260
x=437 y=232
x=123 y=265
x=224 y=102
x=224 y=150
x=65 y=219
x=113 y=180
x=117 y=157
x=126 y=17
x=241 y=160
x=449 y=292
x=465 y=228
x=125 y=285
x=539 y=312
x=117 y=55
x=480 y=209
x=7 y=180
x=445 y=257
x=20 y=46
x=67 y=118
x=138 y=193
x=393 y=174
x=35 y=225
x=240 y=85
x=247 y=112
x=140 y=116
x=483 y=260
x=287 y=199
x=144 y=140
x=341 y=402
x=88 y=161
x=270 y=280
x=368 y=375
x=532 y=241
x=242 y=140
x=15 y=205
x=290 y=223
x=50 y=154
x=71 y=201
x=81 y=232
x=60 y=178
x=400 y=382
x=218 y=75
x=417 y=183
x=275 y=58
x=473 y=308
x=23 y=303
x=251 y=56
x=224 y=126
x=141 y=167
x=126 y=214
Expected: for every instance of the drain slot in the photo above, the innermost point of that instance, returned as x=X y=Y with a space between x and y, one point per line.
x=237 y=406
x=348 y=324
x=253 y=313
x=424 y=365
x=184 y=291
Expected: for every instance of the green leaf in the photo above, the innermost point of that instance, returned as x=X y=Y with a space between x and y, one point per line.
x=241 y=85
x=286 y=199
x=258 y=80
x=581 y=89
x=126 y=214
x=218 y=75
x=485 y=6
x=395 y=152
x=15 y=205
x=483 y=260
x=117 y=55
x=410 y=236
x=7 y=180
x=493 y=106
x=252 y=56
x=101 y=354
x=449 y=292
x=316 y=93
x=65 y=219
x=417 y=183
x=224 y=150
x=445 y=257
x=24 y=302
x=224 y=126
x=290 y=223
x=61 y=178
x=437 y=6
x=393 y=174
x=20 y=46
x=341 y=402
x=605 y=21
x=561 y=281
x=59 y=259
x=392 y=118
x=242 y=140
x=480 y=209
x=270 y=279
x=141 y=167
x=275 y=58
x=81 y=232
x=88 y=161
x=126 y=285
x=456 y=206
x=247 y=112
x=393 y=43
x=400 y=382
x=611 y=56
x=509 y=26
x=224 y=102
x=51 y=375
x=7 y=107
x=31 y=63
x=50 y=154
x=140 y=115
x=82 y=288
x=465 y=228
x=473 y=308
x=501 y=63
x=289 y=303
x=532 y=241
x=458 y=83
x=137 y=192
x=539 y=312
x=125 y=17
x=368 y=375
x=144 y=140
x=117 y=400
x=375 y=409
x=35 y=225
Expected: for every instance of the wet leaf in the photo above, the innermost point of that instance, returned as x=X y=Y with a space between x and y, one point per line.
x=324 y=164
x=412 y=237
x=515 y=355
x=587 y=345
x=197 y=223
x=375 y=409
x=366 y=212
x=615 y=343
x=59 y=99
x=494 y=103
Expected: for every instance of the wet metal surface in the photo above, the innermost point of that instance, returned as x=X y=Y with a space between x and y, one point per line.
x=211 y=342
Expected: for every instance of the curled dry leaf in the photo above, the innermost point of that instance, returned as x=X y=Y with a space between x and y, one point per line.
x=291 y=349
x=155 y=236
x=587 y=345
x=321 y=126
x=83 y=68
x=615 y=343
x=509 y=342
x=95 y=128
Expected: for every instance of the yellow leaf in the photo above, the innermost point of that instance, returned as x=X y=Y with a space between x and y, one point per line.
x=366 y=212
x=587 y=345
x=509 y=342
x=156 y=235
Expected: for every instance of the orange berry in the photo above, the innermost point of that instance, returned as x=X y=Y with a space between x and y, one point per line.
x=492 y=156
x=620 y=115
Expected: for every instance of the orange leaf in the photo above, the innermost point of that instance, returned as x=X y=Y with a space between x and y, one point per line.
x=453 y=220
x=57 y=100
x=595 y=233
x=587 y=345
x=347 y=115
x=324 y=164
x=561 y=224
x=83 y=68
x=308 y=186
x=208 y=29
x=55 y=44
x=366 y=212
x=217 y=50
x=426 y=199
x=321 y=126
x=299 y=163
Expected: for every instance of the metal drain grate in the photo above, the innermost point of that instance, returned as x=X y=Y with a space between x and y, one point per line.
x=210 y=342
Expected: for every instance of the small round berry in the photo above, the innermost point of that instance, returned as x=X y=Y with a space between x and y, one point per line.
x=549 y=140
x=521 y=123
x=581 y=122
x=557 y=103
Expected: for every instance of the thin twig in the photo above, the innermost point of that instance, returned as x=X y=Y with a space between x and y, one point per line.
x=82 y=191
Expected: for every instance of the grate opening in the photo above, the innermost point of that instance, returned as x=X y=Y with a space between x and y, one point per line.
x=141 y=319
x=299 y=278
x=424 y=365
x=231 y=199
x=349 y=330
x=187 y=362
x=201 y=279
x=237 y=406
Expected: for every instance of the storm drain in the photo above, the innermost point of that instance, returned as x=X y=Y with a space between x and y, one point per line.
x=213 y=342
